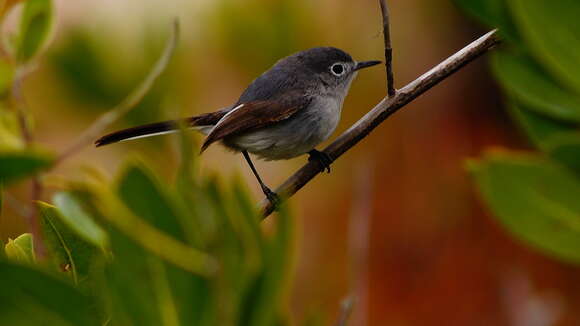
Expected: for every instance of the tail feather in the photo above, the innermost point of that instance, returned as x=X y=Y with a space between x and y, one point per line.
x=161 y=128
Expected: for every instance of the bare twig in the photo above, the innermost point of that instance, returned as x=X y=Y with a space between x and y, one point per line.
x=16 y=205
x=128 y=103
x=20 y=105
x=36 y=187
x=388 y=48
x=382 y=111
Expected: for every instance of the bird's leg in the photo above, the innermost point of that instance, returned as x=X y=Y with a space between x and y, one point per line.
x=272 y=196
x=324 y=159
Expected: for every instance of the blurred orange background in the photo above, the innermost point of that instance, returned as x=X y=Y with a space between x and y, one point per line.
x=397 y=222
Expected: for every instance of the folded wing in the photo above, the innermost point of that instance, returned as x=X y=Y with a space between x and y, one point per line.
x=254 y=115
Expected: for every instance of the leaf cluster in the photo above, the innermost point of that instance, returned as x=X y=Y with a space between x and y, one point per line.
x=535 y=195
x=140 y=251
x=137 y=250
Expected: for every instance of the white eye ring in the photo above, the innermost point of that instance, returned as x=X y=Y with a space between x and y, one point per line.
x=338 y=69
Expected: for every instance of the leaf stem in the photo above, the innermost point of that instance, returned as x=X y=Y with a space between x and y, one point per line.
x=128 y=103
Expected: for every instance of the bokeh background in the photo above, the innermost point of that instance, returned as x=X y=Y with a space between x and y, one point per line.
x=397 y=223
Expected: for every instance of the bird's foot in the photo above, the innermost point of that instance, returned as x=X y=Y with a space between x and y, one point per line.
x=272 y=196
x=324 y=159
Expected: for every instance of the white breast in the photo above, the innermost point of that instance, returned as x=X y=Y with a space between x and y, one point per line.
x=297 y=135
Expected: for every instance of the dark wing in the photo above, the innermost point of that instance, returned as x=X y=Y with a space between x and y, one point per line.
x=255 y=115
x=207 y=119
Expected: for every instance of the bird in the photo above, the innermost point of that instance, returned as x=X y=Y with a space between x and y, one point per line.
x=284 y=113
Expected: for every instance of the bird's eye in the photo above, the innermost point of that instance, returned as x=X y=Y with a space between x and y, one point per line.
x=337 y=69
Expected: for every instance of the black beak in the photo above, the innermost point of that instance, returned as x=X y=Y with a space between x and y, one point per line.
x=366 y=64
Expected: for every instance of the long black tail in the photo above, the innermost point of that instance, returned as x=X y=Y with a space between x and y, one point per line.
x=160 y=128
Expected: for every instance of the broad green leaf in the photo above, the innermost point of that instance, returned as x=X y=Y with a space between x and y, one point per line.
x=142 y=232
x=233 y=255
x=127 y=284
x=535 y=199
x=78 y=220
x=531 y=86
x=25 y=286
x=265 y=299
x=21 y=249
x=71 y=253
x=493 y=13
x=35 y=28
x=130 y=280
x=146 y=197
x=552 y=31
x=539 y=128
x=143 y=194
x=565 y=148
x=248 y=211
x=16 y=165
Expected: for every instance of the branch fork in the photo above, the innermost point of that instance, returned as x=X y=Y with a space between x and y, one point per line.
x=390 y=104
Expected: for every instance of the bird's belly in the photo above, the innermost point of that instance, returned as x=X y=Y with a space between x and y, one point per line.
x=292 y=137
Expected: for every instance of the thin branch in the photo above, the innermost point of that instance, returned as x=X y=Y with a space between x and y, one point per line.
x=128 y=103
x=16 y=205
x=20 y=104
x=382 y=111
x=32 y=218
x=388 y=48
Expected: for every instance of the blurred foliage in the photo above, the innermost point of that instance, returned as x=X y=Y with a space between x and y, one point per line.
x=535 y=196
x=35 y=27
x=84 y=68
x=20 y=164
x=276 y=27
x=21 y=249
x=138 y=250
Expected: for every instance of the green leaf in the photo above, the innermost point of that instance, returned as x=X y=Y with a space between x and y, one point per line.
x=539 y=128
x=70 y=253
x=21 y=249
x=143 y=194
x=35 y=28
x=53 y=298
x=20 y=164
x=265 y=299
x=552 y=31
x=531 y=86
x=127 y=283
x=136 y=304
x=78 y=220
x=535 y=199
x=494 y=13
x=148 y=199
x=565 y=148
x=142 y=232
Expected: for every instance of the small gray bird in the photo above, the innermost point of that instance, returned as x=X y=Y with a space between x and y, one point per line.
x=284 y=113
